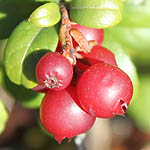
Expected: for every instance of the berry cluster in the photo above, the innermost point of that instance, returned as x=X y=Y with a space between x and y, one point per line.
x=81 y=80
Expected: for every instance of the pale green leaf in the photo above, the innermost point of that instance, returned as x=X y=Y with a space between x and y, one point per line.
x=4 y=115
x=24 y=48
x=46 y=15
x=96 y=13
x=55 y=1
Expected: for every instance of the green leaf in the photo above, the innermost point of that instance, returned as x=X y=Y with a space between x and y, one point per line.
x=12 y=12
x=24 y=48
x=96 y=13
x=1 y=74
x=55 y=1
x=67 y=1
x=46 y=15
x=4 y=115
x=123 y=60
x=2 y=47
x=136 y=16
x=135 y=40
x=137 y=2
x=26 y=97
x=139 y=110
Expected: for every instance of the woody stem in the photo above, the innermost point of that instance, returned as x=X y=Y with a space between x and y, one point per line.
x=65 y=37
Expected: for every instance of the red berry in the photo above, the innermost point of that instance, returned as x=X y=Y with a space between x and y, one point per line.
x=104 y=90
x=91 y=33
x=62 y=117
x=100 y=54
x=54 y=71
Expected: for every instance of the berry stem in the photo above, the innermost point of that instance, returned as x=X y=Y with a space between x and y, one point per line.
x=66 y=33
x=65 y=37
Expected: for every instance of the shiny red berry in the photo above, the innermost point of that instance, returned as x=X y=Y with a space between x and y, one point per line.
x=91 y=33
x=104 y=90
x=98 y=54
x=54 y=71
x=61 y=116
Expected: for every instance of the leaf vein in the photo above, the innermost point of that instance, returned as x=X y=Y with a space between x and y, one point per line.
x=94 y=8
x=29 y=45
x=27 y=48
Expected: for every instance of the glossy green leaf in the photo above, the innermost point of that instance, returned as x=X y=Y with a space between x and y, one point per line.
x=26 y=97
x=96 y=13
x=139 y=110
x=133 y=32
x=4 y=115
x=137 y=2
x=136 y=15
x=123 y=60
x=55 y=1
x=12 y=12
x=67 y=1
x=46 y=15
x=136 y=42
x=24 y=48
x=2 y=47
x=1 y=75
